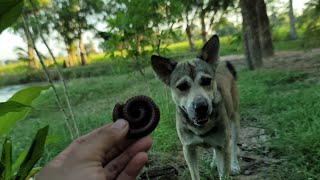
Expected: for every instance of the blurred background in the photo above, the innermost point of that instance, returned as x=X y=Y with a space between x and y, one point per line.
x=104 y=47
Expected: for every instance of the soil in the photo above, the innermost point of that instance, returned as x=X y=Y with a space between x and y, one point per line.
x=255 y=156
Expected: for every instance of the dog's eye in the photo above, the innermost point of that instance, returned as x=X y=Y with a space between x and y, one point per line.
x=205 y=81
x=183 y=86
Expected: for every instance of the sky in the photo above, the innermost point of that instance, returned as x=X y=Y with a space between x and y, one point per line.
x=9 y=41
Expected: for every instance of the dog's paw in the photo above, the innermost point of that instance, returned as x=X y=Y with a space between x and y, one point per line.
x=235 y=168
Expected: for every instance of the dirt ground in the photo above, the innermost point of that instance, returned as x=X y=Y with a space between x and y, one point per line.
x=255 y=156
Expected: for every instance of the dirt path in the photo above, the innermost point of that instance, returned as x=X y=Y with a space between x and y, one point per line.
x=255 y=156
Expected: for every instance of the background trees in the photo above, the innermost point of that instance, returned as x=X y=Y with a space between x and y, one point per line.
x=135 y=28
x=256 y=32
x=70 y=18
x=20 y=29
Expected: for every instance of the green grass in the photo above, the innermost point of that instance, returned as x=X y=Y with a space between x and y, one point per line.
x=289 y=107
x=283 y=102
x=102 y=64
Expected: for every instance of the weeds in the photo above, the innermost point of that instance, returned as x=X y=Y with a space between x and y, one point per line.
x=285 y=103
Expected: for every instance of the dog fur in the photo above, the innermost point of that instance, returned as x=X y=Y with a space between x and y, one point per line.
x=207 y=106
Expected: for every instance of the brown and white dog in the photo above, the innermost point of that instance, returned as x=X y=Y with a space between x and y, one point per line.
x=207 y=106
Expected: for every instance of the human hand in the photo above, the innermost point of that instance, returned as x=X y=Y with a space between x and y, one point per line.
x=103 y=154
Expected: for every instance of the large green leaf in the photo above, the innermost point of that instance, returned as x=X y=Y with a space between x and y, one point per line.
x=10 y=10
x=21 y=157
x=34 y=154
x=25 y=96
x=6 y=158
x=19 y=161
x=12 y=106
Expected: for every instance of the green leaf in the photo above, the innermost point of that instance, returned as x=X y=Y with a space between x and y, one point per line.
x=33 y=172
x=21 y=157
x=6 y=158
x=2 y=167
x=10 y=10
x=12 y=106
x=19 y=161
x=34 y=154
x=25 y=97
x=52 y=140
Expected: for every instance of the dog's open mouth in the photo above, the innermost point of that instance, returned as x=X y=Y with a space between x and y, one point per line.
x=201 y=121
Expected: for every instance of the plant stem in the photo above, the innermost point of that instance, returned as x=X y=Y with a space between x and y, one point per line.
x=25 y=23
x=65 y=91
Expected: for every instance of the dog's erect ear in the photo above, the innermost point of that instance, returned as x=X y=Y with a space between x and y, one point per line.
x=163 y=68
x=210 y=51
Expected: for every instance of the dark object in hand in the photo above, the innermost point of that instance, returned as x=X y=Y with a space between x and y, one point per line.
x=142 y=114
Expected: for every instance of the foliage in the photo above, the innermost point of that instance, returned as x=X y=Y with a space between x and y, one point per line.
x=310 y=20
x=11 y=112
x=134 y=27
x=34 y=154
x=22 y=168
x=69 y=17
x=286 y=103
x=17 y=107
x=102 y=64
x=280 y=100
x=10 y=10
x=226 y=28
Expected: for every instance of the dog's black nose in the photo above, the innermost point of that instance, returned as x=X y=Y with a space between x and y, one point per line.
x=201 y=109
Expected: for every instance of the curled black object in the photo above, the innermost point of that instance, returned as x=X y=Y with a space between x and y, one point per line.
x=142 y=114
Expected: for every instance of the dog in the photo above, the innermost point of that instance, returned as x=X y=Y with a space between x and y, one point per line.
x=207 y=106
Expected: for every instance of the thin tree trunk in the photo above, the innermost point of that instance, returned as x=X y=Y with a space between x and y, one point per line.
x=82 y=51
x=31 y=56
x=138 y=44
x=264 y=30
x=251 y=32
x=293 y=33
x=189 y=35
x=71 y=54
x=203 y=28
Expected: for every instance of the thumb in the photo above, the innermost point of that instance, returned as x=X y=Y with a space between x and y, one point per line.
x=104 y=138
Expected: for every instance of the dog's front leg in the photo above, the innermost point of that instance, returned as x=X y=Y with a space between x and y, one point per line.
x=223 y=161
x=190 y=154
x=235 y=127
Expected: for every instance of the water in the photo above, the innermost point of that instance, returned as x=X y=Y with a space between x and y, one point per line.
x=7 y=91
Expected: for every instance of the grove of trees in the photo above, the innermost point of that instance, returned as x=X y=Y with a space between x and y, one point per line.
x=138 y=27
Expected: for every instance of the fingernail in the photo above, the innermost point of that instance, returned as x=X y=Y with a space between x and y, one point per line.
x=119 y=124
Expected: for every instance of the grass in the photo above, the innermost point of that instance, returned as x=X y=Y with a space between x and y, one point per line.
x=288 y=106
x=102 y=64
x=284 y=102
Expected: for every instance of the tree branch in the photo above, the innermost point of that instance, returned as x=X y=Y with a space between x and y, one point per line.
x=25 y=23
x=65 y=91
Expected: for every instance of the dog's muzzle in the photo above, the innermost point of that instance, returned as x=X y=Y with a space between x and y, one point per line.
x=201 y=109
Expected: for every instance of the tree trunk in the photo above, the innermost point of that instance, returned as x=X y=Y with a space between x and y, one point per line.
x=264 y=30
x=203 y=28
x=82 y=51
x=31 y=56
x=247 y=53
x=251 y=32
x=138 y=44
x=293 y=33
x=71 y=54
x=189 y=35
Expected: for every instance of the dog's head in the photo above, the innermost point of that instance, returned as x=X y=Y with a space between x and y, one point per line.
x=192 y=83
